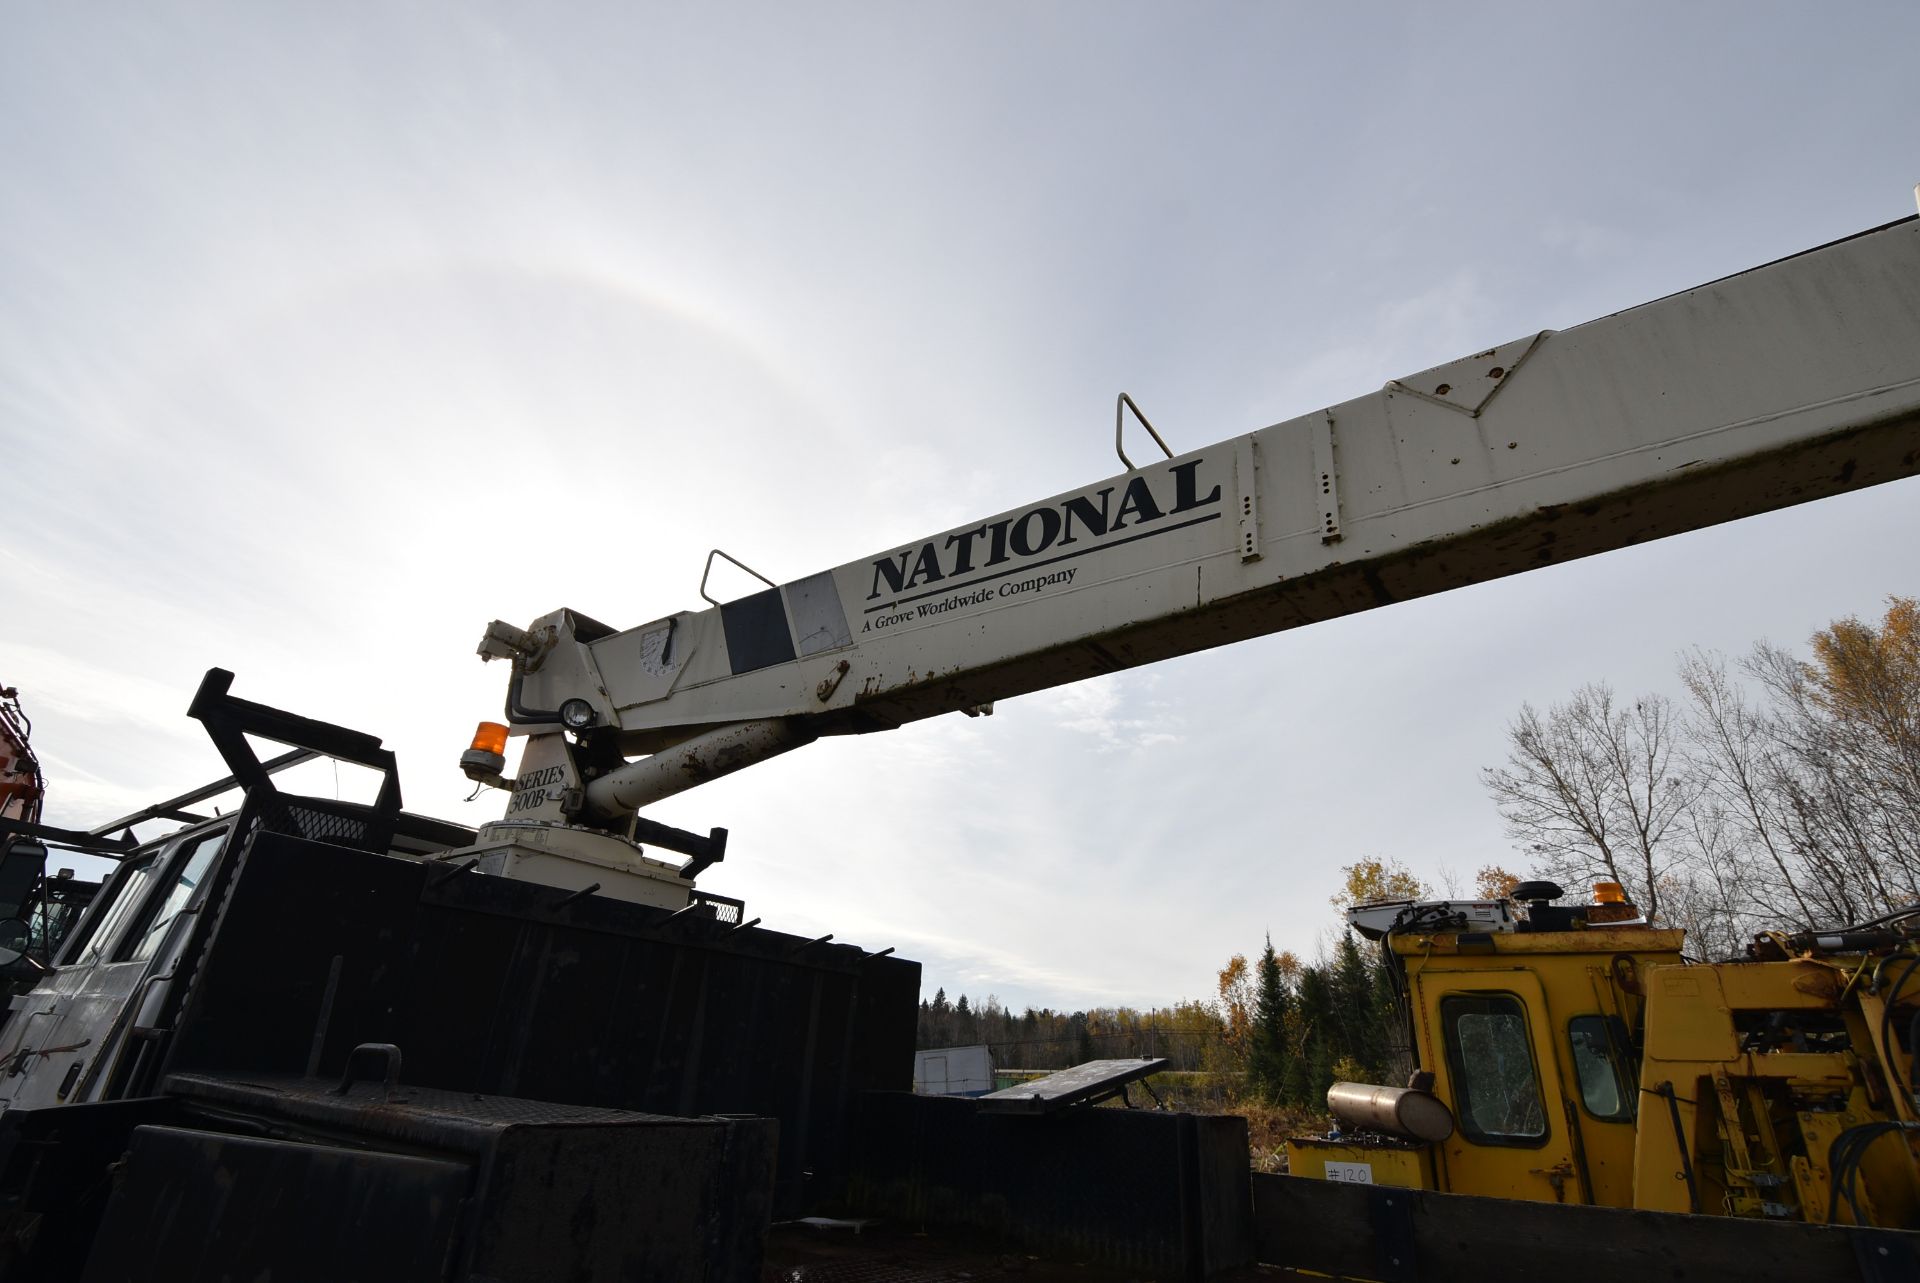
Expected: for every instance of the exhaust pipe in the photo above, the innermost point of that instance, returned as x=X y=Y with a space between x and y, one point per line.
x=1397 y=1111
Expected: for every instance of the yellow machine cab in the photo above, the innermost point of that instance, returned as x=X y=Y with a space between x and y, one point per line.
x=1571 y=1053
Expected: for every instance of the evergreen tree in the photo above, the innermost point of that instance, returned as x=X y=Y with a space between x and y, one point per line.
x=1362 y=1036
x=1267 y=1054
x=1294 y=1089
x=1319 y=1031
x=936 y=1021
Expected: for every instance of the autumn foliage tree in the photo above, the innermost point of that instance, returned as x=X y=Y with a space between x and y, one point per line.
x=1491 y=882
x=1236 y=988
x=1370 y=879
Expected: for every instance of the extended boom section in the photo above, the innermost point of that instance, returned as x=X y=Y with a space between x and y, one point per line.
x=1782 y=384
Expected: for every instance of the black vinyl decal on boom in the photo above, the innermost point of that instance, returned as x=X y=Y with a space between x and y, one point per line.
x=1038 y=529
x=1035 y=565
x=757 y=634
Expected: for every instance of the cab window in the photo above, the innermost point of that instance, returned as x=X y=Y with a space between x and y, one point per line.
x=1495 y=1080
x=1603 y=1093
x=188 y=869
x=141 y=901
x=125 y=894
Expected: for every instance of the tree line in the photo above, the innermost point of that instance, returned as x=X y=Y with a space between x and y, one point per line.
x=1186 y=1033
x=1278 y=1030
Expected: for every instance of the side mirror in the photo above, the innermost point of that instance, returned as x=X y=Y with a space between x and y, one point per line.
x=13 y=941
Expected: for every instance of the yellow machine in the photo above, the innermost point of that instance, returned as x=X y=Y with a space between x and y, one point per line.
x=1571 y=1054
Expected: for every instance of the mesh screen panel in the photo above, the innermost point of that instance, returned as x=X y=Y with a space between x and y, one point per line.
x=336 y=824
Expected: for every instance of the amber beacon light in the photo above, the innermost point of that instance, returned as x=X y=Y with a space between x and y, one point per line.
x=487 y=756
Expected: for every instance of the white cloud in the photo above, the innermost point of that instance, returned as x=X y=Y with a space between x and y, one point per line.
x=1116 y=712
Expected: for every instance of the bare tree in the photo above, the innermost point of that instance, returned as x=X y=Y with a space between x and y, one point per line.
x=1709 y=897
x=1734 y=757
x=1797 y=805
x=1593 y=790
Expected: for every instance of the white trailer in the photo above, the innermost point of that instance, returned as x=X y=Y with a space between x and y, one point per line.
x=953 y=1071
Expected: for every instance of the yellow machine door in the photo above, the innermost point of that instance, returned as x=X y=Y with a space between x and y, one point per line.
x=1490 y=1035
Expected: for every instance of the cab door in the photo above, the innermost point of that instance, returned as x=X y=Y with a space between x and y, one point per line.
x=1497 y=1067
x=66 y=1034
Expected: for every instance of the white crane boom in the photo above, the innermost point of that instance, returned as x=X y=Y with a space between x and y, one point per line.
x=1776 y=386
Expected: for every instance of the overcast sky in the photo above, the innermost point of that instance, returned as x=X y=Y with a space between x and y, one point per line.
x=329 y=333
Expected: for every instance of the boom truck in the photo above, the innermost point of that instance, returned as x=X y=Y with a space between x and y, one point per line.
x=538 y=1050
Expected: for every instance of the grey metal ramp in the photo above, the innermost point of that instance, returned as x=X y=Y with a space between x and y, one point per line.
x=1085 y=1084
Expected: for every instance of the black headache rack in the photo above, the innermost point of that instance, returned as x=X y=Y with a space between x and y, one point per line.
x=229 y=720
x=60 y=903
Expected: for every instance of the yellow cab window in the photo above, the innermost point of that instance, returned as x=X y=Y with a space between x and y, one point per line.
x=1496 y=1086
x=1605 y=1096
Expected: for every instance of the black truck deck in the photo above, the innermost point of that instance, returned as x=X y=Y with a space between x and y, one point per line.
x=346 y=1061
